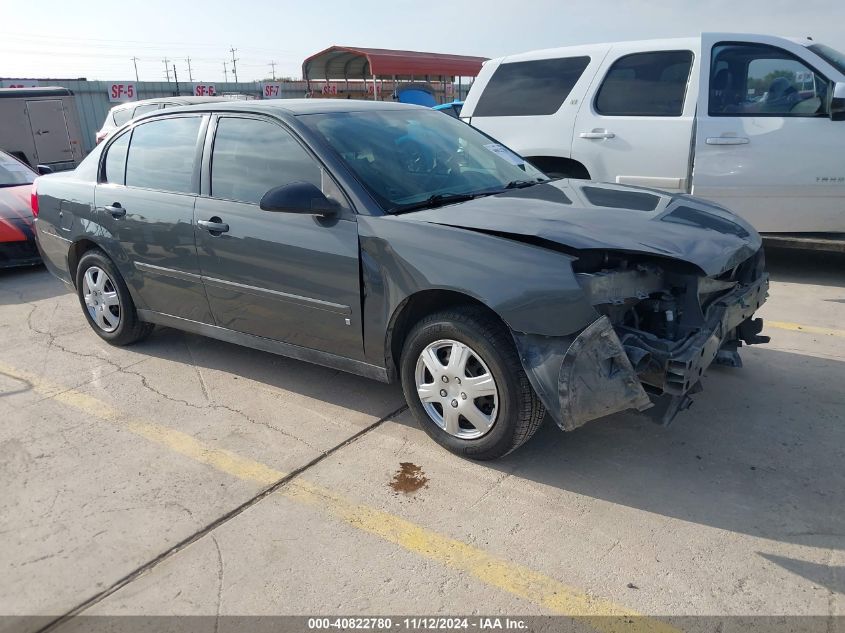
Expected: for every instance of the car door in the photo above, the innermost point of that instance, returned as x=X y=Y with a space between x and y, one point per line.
x=635 y=127
x=766 y=147
x=289 y=277
x=145 y=200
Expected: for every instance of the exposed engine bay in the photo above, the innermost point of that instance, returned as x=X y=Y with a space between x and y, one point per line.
x=662 y=323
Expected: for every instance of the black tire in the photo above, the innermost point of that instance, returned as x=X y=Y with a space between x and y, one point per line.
x=520 y=411
x=129 y=330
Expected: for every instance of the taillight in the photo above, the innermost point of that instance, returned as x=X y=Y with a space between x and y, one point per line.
x=33 y=198
x=101 y=136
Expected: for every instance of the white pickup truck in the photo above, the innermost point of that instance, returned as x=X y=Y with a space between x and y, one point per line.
x=753 y=122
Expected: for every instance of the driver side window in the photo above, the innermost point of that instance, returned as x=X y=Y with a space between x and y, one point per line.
x=760 y=80
x=252 y=156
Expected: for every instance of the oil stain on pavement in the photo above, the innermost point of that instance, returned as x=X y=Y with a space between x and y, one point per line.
x=409 y=478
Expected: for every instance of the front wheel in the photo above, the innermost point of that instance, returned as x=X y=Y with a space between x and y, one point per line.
x=464 y=382
x=106 y=301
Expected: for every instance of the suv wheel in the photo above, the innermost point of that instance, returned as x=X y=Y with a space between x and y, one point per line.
x=106 y=301
x=464 y=382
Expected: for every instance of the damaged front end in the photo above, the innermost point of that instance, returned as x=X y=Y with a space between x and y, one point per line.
x=662 y=323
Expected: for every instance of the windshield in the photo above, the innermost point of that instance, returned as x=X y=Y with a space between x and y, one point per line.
x=13 y=172
x=408 y=157
x=831 y=56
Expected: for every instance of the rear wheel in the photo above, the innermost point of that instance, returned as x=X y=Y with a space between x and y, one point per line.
x=464 y=382
x=106 y=301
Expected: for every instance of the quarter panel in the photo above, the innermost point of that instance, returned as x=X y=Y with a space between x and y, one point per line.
x=66 y=214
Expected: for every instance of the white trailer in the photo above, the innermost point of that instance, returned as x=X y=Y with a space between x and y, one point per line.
x=40 y=126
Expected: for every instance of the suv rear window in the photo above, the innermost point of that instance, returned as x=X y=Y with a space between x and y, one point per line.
x=121 y=116
x=530 y=88
x=646 y=84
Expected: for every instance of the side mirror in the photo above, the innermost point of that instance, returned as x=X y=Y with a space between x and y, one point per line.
x=299 y=197
x=43 y=170
x=837 y=102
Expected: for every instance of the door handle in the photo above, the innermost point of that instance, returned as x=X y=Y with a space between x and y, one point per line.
x=600 y=134
x=727 y=140
x=116 y=210
x=215 y=225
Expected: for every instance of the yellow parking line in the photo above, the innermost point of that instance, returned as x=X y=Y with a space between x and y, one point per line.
x=515 y=579
x=809 y=329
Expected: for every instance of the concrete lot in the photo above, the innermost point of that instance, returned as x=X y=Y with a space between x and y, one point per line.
x=134 y=481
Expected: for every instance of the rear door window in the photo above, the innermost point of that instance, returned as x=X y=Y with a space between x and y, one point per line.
x=115 y=165
x=646 y=84
x=162 y=155
x=530 y=88
x=251 y=156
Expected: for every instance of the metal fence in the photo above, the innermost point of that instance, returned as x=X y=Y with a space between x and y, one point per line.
x=92 y=97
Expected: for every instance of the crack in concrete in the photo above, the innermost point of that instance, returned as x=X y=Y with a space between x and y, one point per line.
x=216 y=407
x=492 y=487
x=208 y=529
x=203 y=386
x=219 y=582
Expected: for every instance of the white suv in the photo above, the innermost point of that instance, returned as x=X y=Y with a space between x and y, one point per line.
x=753 y=122
x=122 y=113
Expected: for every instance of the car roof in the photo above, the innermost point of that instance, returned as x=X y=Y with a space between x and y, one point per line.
x=190 y=100
x=582 y=49
x=296 y=106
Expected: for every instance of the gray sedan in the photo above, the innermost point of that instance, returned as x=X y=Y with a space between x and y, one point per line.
x=396 y=243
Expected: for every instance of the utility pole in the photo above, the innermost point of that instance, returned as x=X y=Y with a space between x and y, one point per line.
x=135 y=62
x=273 y=66
x=234 y=63
x=225 y=72
x=166 y=63
x=190 y=75
x=176 y=79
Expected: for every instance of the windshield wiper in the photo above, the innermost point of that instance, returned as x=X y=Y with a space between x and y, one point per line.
x=520 y=184
x=437 y=200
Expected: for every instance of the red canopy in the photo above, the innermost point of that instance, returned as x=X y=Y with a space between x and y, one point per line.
x=346 y=62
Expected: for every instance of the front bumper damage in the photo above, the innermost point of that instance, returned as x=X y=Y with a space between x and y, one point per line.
x=608 y=368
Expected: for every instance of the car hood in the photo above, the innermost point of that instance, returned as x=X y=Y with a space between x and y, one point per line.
x=583 y=215
x=14 y=203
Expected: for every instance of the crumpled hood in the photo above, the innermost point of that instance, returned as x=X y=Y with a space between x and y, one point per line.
x=584 y=215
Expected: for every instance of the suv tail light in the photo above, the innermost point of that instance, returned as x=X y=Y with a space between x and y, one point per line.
x=33 y=198
x=100 y=136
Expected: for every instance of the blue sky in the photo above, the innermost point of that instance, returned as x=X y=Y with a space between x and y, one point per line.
x=96 y=39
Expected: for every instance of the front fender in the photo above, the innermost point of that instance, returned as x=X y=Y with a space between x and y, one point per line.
x=532 y=289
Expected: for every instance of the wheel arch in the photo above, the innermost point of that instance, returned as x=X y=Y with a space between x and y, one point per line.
x=75 y=253
x=417 y=306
